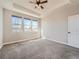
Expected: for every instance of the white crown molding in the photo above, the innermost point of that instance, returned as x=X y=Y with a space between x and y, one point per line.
x=17 y=10
x=20 y=11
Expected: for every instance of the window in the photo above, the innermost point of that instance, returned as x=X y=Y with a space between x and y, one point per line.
x=16 y=23
x=34 y=25
x=24 y=24
x=27 y=24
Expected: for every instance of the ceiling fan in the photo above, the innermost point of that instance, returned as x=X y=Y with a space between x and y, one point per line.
x=39 y=3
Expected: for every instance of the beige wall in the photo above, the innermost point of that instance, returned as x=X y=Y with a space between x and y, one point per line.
x=10 y=36
x=1 y=24
x=55 y=24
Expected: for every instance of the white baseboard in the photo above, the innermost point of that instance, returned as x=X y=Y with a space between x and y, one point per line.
x=34 y=39
x=18 y=41
x=57 y=41
x=63 y=43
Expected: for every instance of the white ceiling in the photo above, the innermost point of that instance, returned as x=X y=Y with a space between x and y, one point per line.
x=51 y=5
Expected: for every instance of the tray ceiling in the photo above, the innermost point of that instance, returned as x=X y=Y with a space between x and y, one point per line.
x=52 y=4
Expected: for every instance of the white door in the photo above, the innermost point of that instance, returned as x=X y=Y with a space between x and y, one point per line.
x=73 y=31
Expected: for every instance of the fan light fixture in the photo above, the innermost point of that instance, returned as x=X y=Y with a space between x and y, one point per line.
x=39 y=3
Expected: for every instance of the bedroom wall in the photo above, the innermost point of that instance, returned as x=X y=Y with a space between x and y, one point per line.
x=1 y=24
x=10 y=36
x=55 y=23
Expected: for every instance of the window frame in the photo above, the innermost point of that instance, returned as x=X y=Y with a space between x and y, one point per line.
x=35 y=25
x=19 y=19
x=28 y=29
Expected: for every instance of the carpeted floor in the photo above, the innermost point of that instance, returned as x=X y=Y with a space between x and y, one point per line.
x=38 y=49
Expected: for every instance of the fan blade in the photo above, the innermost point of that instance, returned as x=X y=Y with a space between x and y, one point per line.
x=42 y=7
x=43 y=2
x=39 y=0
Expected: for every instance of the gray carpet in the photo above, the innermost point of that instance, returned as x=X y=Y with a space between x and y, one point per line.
x=38 y=49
